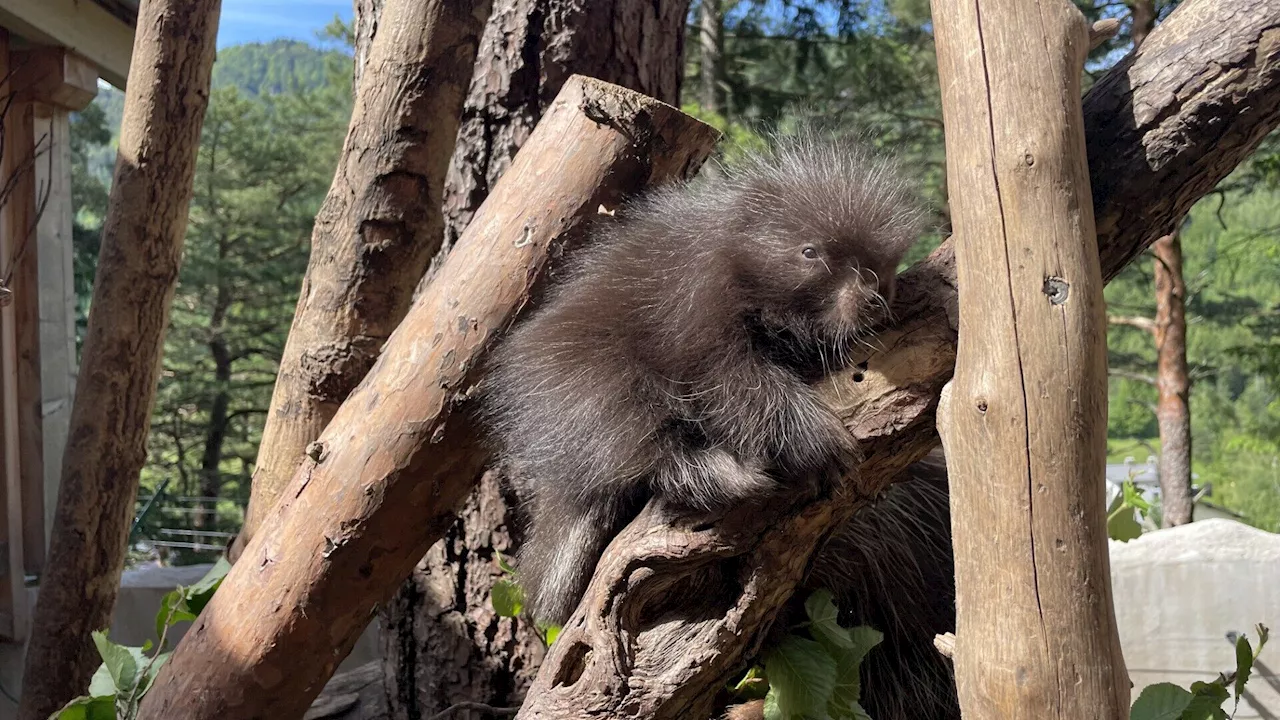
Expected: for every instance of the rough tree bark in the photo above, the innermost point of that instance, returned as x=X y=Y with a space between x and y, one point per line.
x=137 y=271
x=383 y=480
x=1024 y=421
x=375 y=232
x=1162 y=129
x=530 y=48
x=442 y=641
x=1173 y=383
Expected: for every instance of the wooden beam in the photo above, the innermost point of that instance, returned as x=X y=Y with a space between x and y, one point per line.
x=21 y=155
x=79 y=25
x=55 y=77
x=13 y=609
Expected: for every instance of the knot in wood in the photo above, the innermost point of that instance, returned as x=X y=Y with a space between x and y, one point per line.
x=1057 y=289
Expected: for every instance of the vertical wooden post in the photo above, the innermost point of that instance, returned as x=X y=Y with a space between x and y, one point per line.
x=20 y=158
x=13 y=609
x=1024 y=419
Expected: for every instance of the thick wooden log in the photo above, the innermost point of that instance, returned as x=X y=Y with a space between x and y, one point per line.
x=377 y=230
x=137 y=272
x=1163 y=128
x=380 y=484
x=1024 y=420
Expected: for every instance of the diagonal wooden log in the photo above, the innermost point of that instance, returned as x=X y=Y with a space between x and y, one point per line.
x=1162 y=129
x=383 y=480
x=379 y=226
x=1024 y=421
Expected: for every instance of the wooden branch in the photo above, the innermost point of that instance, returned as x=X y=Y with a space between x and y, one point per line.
x=1145 y=324
x=137 y=271
x=1130 y=375
x=398 y=457
x=1024 y=420
x=377 y=230
x=1207 y=86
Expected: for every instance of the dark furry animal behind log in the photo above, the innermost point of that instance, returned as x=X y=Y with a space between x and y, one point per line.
x=673 y=359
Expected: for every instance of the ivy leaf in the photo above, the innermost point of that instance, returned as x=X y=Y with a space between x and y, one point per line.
x=1162 y=701
x=88 y=708
x=802 y=677
x=121 y=662
x=822 y=622
x=507 y=598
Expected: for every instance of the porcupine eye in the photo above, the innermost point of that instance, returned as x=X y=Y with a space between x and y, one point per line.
x=810 y=252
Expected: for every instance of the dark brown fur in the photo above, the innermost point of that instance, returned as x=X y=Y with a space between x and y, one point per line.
x=673 y=359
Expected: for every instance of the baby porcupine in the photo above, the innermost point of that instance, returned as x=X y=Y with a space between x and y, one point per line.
x=672 y=358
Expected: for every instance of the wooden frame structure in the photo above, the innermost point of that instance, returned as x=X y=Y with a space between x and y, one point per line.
x=52 y=54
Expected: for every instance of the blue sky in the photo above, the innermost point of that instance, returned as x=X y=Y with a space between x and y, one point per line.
x=263 y=20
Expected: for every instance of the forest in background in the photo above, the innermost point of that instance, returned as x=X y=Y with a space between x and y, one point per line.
x=276 y=123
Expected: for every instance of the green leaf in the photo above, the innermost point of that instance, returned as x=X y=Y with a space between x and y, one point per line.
x=822 y=622
x=848 y=689
x=173 y=610
x=1162 y=701
x=199 y=594
x=87 y=708
x=1206 y=701
x=1133 y=497
x=771 y=709
x=1122 y=525
x=102 y=684
x=553 y=632
x=507 y=598
x=1244 y=664
x=121 y=662
x=802 y=676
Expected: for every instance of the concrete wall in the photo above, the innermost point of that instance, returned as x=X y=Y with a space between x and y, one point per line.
x=1178 y=592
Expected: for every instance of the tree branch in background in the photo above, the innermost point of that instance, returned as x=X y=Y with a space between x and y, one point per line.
x=1162 y=129
x=137 y=270
x=382 y=482
x=1144 y=324
x=377 y=230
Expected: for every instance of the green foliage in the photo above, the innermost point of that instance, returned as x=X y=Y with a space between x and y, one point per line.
x=814 y=671
x=1166 y=701
x=126 y=673
x=507 y=599
x=1126 y=512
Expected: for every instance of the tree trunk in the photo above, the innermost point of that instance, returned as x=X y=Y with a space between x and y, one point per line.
x=711 y=46
x=216 y=433
x=1147 y=168
x=137 y=271
x=1173 y=383
x=384 y=479
x=1143 y=15
x=442 y=641
x=375 y=233
x=367 y=13
x=530 y=48
x=1024 y=421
